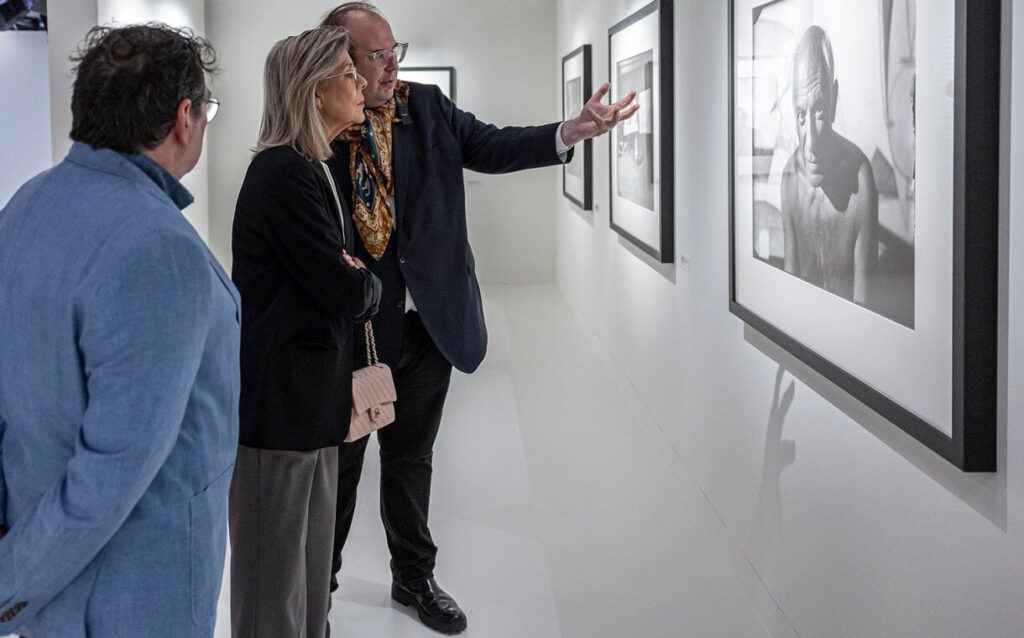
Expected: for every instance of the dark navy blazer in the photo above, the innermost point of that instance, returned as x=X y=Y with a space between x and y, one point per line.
x=432 y=145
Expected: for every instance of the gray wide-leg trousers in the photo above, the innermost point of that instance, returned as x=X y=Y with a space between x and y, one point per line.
x=281 y=511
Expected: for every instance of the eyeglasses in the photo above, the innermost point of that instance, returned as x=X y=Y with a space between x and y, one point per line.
x=212 y=106
x=352 y=73
x=382 y=57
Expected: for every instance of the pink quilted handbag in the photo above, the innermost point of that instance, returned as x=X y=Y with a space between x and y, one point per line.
x=373 y=393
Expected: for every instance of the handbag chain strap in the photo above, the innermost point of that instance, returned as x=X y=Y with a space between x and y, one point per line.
x=371 y=344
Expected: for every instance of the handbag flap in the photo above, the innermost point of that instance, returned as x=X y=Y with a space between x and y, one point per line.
x=372 y=386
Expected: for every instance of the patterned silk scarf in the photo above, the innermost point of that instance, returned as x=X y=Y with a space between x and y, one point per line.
x=371 y=167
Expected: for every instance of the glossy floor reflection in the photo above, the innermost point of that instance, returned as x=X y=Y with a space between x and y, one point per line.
x=557 y=512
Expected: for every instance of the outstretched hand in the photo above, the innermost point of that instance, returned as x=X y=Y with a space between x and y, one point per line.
x=597 y=118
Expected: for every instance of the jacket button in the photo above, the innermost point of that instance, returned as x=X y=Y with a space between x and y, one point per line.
x=401 y=260
x=400 y=305
x=12 y=611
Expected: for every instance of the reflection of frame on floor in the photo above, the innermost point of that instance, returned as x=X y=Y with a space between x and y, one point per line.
x=577 y=175
x=442 y=76
x=837 y=131
x=640 y=163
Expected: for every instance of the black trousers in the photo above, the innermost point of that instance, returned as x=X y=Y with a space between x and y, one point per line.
x=421 y=378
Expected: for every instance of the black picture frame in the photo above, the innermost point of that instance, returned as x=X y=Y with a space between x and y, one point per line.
x=972 y=444
x=429 y=75
x=581 y=195
x=628 y=206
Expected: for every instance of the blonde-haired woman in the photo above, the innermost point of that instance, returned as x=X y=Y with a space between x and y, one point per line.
x=301 y=293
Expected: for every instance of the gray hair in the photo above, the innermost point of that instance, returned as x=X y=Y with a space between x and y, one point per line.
x=293 y=69
x=339 y=15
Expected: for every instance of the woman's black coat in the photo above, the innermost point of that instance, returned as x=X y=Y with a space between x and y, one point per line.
x=299 y=304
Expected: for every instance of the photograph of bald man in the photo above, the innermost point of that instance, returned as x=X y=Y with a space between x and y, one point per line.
x=829 y=199
x=833 y=172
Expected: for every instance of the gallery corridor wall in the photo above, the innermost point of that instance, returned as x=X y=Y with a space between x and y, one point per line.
x=847 y=525
x=69 y=21
x=24 y=100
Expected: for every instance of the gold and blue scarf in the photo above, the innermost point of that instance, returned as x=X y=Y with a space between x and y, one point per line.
x=371 y=167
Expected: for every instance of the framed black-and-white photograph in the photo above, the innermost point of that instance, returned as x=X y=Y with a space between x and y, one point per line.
x=442 y=76
x=577 y=175
x=864 y=202
x=640 y=59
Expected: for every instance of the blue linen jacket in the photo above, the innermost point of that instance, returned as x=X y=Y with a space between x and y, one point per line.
x=119 y=387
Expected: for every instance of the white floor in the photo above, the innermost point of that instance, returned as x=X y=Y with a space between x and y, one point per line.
x=558 y=511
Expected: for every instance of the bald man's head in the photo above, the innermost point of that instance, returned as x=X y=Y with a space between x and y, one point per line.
x=371 y=38
x=815 y=92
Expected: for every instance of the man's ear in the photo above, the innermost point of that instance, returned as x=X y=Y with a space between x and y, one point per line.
x=184 y=120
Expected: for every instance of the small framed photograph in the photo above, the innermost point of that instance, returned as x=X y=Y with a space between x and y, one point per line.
x=640 y=59
x=442 y=76
x=864 y=203
x=577 y=175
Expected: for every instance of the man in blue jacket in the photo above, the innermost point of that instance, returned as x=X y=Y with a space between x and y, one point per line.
x=402 y=172
x=118 y=361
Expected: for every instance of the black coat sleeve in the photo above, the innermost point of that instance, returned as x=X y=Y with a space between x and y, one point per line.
x=303 y=229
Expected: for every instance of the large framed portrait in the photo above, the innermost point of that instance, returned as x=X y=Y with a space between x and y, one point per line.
x=864 y=203
x=577 y=175
x=442 y=76
x=640 y=59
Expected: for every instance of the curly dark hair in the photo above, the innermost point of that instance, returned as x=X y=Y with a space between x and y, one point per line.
x=130 y=80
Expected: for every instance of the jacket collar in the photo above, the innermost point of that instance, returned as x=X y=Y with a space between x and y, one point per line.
x=134 y=166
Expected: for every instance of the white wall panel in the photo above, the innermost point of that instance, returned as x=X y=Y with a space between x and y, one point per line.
x=24 y=108
x=853 y=528
x=69 y=21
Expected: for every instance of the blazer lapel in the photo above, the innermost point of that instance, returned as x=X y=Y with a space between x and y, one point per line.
x=347 y=224
x=332 y=186
x=401 y=138
x=345 y=191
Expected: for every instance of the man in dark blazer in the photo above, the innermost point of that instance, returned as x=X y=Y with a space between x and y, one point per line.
x=402 y=173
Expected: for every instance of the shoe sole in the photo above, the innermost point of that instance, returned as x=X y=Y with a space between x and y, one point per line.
x=407 y=600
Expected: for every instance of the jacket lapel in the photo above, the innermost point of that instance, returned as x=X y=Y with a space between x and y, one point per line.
x=338 y=214
x=401 y=137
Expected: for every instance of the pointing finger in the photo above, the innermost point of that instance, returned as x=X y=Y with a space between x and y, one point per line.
x=629 y=112
x=600 y=93
x=627 y=99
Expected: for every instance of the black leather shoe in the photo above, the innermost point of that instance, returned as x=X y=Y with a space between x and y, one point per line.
x=436 y=609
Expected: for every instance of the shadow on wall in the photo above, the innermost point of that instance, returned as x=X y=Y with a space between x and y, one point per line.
x=668 y=271
x=984 y=493
x=779 y=453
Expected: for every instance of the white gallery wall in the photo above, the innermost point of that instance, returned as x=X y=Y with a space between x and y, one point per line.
x=841 y=525
x=24 y=108
x=68 y=23
x=502 y=54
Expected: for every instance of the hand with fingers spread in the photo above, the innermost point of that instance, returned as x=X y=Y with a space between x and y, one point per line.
x=597 y=118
